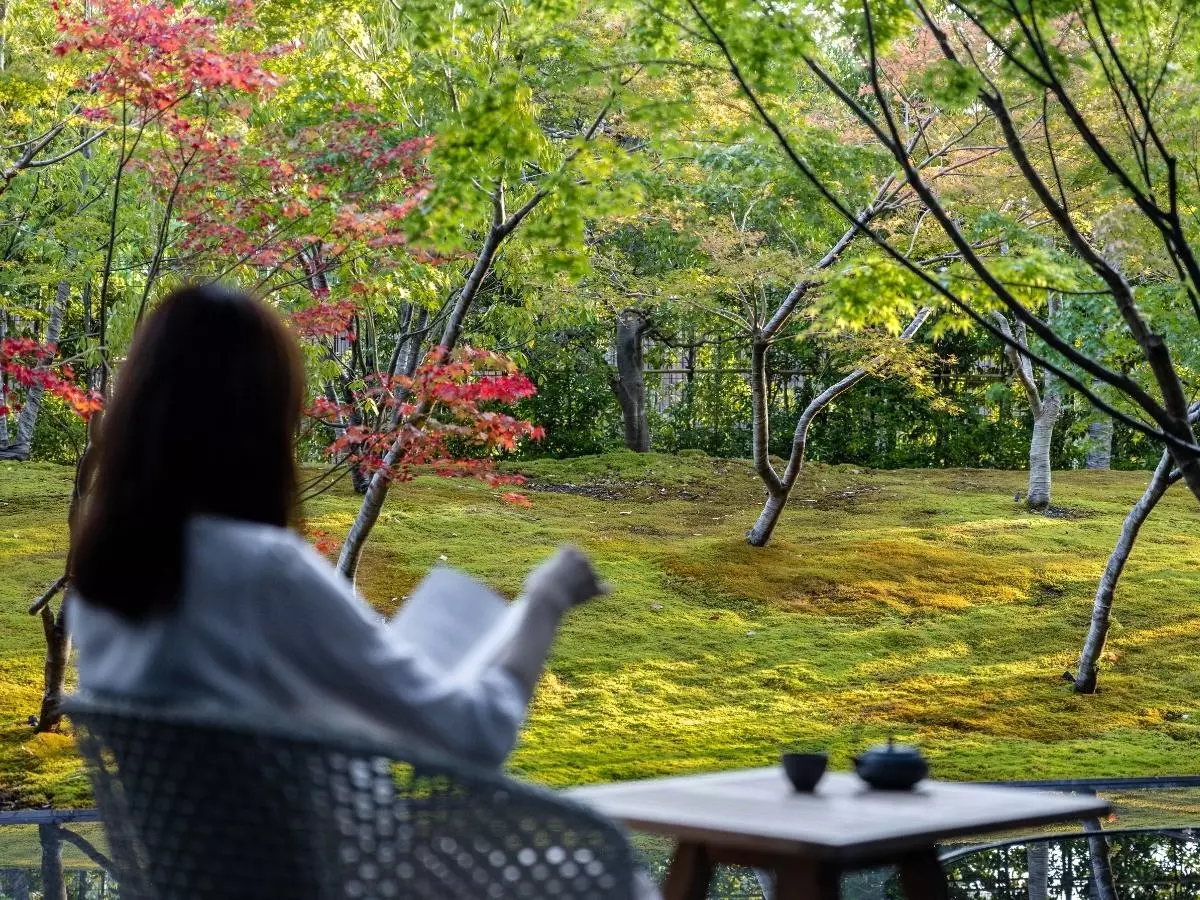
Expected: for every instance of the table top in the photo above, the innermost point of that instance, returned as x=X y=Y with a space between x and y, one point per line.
x=844 y=819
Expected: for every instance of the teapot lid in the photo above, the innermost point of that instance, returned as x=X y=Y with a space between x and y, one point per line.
x=892 y=750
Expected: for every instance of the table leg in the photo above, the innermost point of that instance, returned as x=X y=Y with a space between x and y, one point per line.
x=690 y=873
x=799 y=880
x=922 y=877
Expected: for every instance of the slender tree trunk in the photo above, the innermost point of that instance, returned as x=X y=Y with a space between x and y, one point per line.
x=1104 y=887
x=779 y=488
x=403 y=339
x=1045 y=405
x=88 y=849
x=54 y=885
x=1093 y=645
x=466 y=296
x=1036 y=858
x=630 y=383
x=1044 y=421
x=360 y=478
x=377 y=490
x=760 y=416
x=58 y=640
x=411 y=357
x=1100 y=439
x=764 y=526
x=27 y=420
x=58 y=654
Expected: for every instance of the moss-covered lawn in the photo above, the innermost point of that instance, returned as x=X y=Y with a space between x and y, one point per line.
x=925 y=604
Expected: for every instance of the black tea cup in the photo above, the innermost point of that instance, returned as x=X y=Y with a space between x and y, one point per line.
x=804 y=770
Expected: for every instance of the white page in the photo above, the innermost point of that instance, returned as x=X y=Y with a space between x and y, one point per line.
x=482 y=654
x=448 y=616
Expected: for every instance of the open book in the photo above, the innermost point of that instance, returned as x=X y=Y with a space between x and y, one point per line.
x=456 y=623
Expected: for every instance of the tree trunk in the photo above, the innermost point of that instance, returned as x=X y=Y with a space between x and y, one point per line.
x=58 y=640
x=54 y=886
x=1100 y=439
x=377 y=490
x=1044 y=404
x=1187 y=461
x=1036 y=858
x=1093 y=645
x=630 y=383
x=58 y=653
x=1044 y=421
x=27 y=420
x=1103 y=885
x=411 y=357
x=778 y=488
x=764 y=527
x=360 y=478
x=404 y=361
x=470 y=289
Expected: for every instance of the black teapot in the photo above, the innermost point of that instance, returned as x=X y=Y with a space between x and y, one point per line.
x=891 y=767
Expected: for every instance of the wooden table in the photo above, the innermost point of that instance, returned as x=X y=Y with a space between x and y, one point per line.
x=754 y=818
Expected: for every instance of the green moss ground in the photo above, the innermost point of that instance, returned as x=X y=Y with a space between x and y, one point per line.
x=925 y=604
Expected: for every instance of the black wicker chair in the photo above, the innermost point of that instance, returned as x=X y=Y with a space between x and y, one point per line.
x=198 y=808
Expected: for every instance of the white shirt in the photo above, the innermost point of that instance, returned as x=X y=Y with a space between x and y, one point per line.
x=265 y=626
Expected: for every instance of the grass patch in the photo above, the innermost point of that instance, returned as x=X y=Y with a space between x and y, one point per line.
x=924 y=604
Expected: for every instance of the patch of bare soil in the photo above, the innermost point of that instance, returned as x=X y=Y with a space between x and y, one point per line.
x=1067 y=512
x=646 y=530
x=847 y=498
x=643 y=491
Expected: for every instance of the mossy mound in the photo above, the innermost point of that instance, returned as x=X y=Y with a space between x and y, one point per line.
x=924 y=604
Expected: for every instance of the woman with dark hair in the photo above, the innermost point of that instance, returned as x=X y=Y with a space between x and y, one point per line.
x=189 y=589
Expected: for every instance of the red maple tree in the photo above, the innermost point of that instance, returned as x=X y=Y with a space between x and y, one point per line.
x=289 y=205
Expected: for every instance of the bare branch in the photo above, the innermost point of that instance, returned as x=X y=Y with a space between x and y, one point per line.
x=48 y=595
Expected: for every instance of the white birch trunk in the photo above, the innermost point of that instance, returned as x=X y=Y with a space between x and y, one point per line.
x=1044 y=421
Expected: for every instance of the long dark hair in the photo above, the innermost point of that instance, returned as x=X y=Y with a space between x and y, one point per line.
x=202 y=422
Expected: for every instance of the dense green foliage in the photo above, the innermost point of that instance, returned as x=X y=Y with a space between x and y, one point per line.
x=966 y=418
x=355 y=158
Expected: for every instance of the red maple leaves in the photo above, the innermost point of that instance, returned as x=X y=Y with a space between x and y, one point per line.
x=325 y=318
x=156 y=54
x=26 y=363
x=447 y=419
x=347 y=185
